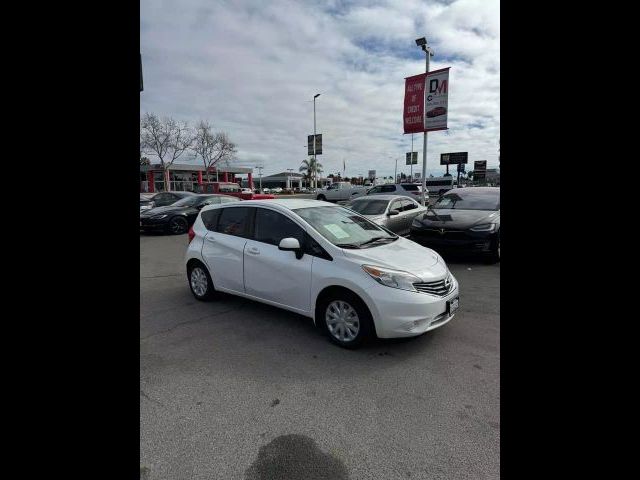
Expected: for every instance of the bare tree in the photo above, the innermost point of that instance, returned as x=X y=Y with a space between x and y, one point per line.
x=212 y=148
x=166 y=139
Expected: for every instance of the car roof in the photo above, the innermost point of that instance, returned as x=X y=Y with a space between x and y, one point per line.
x=382 y=197
x=279 y=203
x=479 y=190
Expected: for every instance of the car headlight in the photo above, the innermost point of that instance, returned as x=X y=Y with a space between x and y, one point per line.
x=392 y=278
x=485 y=227
x=158 y=217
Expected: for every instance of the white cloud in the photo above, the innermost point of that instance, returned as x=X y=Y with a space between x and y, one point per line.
x=252 y=69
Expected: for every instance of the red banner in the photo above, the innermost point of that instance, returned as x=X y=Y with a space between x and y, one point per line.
x=414 y=104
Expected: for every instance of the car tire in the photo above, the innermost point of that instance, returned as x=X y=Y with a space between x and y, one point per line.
x=343 y=305
x=322 y=198
x=200 y=282
x=178 y=225
x=494 y=256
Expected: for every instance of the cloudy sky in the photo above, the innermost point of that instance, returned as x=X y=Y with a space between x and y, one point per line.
x=251 y=67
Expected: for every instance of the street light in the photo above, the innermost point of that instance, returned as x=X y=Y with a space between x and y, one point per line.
x=422 y=43
x=315 y=162
x=260 y=173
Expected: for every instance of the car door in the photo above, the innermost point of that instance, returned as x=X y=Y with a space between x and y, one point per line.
x=223 y=246
x=272 y=274
x=410 y=210
x=395 y=223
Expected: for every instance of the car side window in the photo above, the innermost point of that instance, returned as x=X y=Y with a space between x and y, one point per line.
x=234 y=221
x=408 y=205
x=271 y=227
x=396 y=205
x=375 y=190
x=211 y=201
x=388 y=188
x=210 y=219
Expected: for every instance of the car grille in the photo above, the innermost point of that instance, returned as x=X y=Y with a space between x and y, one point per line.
x=438 y=233
x=439 y=288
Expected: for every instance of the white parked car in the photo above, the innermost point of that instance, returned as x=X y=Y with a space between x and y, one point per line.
x=322 y=261
x=276 y=190
x=340 y=191
x=246 y=190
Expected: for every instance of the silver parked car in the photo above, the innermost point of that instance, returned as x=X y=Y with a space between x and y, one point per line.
x=394 y=212
x=412 y=190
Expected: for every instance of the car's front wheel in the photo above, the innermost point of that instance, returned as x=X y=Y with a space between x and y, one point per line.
x=494 y=256
x=178 y=225
x=322 y=197
x=345 y=319
x=200 y=282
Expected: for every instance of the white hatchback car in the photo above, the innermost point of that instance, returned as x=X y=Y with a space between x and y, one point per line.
x=353 y=277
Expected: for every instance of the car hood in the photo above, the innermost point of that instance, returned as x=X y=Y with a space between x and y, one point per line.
x=457 y=219
x=161 y=210
x=403 y=255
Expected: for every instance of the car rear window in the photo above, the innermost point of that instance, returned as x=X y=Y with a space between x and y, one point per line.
x=411 y=187
x=234 y=221
x=210 y=219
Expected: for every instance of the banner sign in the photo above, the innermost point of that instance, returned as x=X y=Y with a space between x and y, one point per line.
x=412 y=158
x=454 y=158
x=372 y=174
x=436 y=104
x=318 y=144
x=414 y=104
x=479 y=169
x=426 y=101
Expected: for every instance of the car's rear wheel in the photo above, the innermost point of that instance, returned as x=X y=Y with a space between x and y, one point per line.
x=178 y=225
x=200 y=282
x=322 y=197
x=345 y=319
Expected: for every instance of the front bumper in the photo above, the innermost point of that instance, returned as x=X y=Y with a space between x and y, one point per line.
x=401 y=313
x=153 y=225
x=462 y=240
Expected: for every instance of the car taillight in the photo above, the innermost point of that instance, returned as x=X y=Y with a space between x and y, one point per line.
x=192 y=234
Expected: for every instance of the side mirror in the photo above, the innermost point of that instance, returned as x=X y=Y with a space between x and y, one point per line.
x=292 y=245
x=393 y=212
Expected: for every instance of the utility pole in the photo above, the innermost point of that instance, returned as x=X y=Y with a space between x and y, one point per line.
x=260 y=173
x=315 y=162
x=411 y=161
x=422 y=43
x=395 y=172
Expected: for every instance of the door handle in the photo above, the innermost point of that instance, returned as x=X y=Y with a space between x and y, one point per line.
x=254 y=251
x=211 y=239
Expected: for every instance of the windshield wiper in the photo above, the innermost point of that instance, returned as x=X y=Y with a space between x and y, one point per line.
x=375 y=239
x=347 y=245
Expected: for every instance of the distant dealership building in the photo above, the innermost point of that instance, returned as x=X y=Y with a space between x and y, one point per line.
x=284 y=180
x=188 y=176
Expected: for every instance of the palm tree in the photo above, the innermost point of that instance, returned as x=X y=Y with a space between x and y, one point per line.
x=311 y=169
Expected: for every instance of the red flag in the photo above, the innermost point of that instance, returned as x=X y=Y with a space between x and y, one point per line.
x=414 y=104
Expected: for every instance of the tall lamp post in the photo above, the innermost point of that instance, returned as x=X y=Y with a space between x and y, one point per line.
x=260 y=173
x=422 y=43
x=315 y=162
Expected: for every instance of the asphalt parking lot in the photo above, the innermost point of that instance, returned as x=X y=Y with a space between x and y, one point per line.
x=234 y=389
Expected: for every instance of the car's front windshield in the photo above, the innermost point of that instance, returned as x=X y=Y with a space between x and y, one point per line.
x=369 y=207
x=344 y=228
x=469 y=201
x=189 y=201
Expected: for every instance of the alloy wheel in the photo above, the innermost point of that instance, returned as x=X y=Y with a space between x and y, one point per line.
x=199 y=281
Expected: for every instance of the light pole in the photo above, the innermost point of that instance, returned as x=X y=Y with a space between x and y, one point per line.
x=260 y=173
x=422 y=43
x=395 y=172
x=315 y=162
